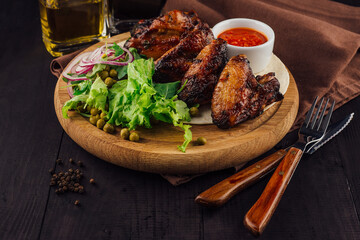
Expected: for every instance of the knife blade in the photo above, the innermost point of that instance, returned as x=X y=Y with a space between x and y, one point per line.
x=220 y=193
x=333 y=130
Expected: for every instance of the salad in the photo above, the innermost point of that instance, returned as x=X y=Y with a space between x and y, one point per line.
x=113 y=87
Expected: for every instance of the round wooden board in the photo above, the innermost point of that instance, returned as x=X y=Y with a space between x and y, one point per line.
x=157 y=150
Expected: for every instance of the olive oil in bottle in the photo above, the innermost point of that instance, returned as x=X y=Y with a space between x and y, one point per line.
x=68 y=25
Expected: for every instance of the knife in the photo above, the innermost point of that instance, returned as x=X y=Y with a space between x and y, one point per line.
x=220 y=193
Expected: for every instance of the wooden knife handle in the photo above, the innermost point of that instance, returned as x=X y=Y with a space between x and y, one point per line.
x=260 y=213
x=220 y=193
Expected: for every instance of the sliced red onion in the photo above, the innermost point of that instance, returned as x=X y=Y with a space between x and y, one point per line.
x=119 y=57
x=71 y=69
x=70 y=90
x=113 y=63
x=131 y=57
x=86 y=61
x=82 y=70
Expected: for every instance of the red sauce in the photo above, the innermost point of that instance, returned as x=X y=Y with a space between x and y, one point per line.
x=243 y=37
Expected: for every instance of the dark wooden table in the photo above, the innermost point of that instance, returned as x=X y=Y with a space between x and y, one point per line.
x=321 y=202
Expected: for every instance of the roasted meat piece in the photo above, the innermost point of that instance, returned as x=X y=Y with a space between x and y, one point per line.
x=173 y=65
x=239 y=96
x=154 y=37
x=203 y=74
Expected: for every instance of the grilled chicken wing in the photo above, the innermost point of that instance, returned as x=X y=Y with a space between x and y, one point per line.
x=239 y=96
x=203 y=74
x=173 y=65
x=154 y=37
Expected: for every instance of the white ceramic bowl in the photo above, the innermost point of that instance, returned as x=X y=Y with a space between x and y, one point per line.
x=259 y=56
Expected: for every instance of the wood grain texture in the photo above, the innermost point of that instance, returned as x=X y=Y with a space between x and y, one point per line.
x=157 y=151
x=123 y=204
x=29 y=140
x=220 y=193
x=261 y=212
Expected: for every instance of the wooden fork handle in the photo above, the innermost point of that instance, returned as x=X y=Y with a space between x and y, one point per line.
x=220 y=193
x=259 y=215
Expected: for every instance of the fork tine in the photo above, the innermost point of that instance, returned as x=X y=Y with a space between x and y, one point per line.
x=310 y=112
x=314 y=120
x=326 y=121
x=322 y=115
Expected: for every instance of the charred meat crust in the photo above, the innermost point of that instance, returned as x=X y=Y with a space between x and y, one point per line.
x=173 y=65
x=203 y=74
x=239 y=96
x=154 y=37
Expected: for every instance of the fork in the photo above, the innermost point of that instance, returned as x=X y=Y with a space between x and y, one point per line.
x=312 y=130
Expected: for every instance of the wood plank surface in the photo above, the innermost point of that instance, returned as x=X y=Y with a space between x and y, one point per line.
x=322 y=200
x=157 y=152
x=29 y=140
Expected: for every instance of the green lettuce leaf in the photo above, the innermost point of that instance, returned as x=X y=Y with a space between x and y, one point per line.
x=72 y=104
x=133 y=102
x=135 y=53
x=167 y=90
x=187 y=136
x=97 y=68
x=118 y=50
x=122 y=71
x=98 y=95
x=82 y=87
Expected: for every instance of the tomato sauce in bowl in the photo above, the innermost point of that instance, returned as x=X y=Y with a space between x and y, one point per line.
x=243 y=37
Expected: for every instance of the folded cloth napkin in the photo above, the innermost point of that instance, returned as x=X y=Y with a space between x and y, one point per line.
x=317 y=40
x=57 y=65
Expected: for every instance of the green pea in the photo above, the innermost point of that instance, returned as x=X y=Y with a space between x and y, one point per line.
x=113 y=73
x=201 y=141
x=109 y=82
x=125 y=133
x=100 y=123
x=93 y=119
x=134 y=137
x=194 y=111
x=94 y=111
x=104 y=74
x=109 y=128
x=103 y=115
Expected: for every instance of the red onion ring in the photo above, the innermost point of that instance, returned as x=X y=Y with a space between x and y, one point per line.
x=86 y=61
x=83 y=69
x=70 y=90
